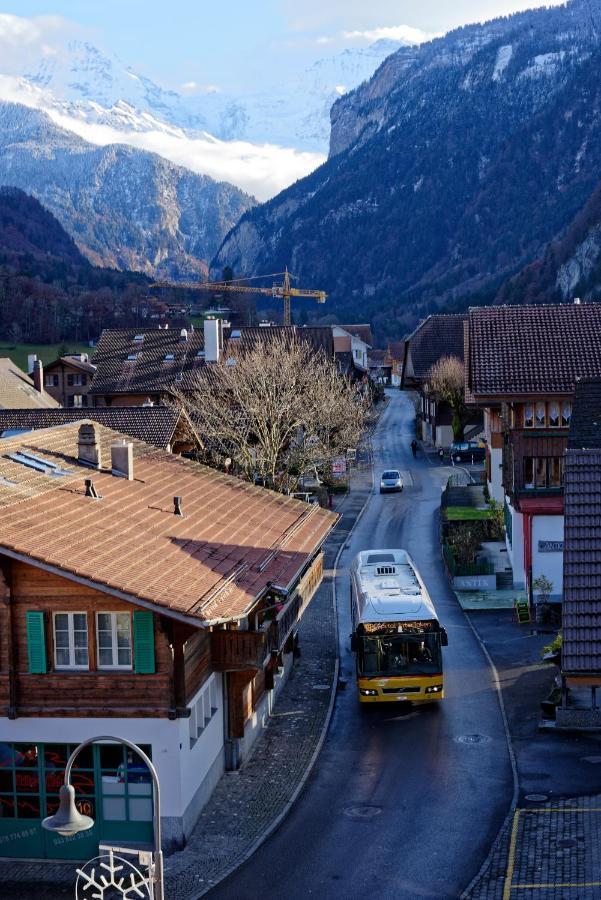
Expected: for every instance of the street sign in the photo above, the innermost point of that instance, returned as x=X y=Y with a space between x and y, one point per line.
x=339 y=466
x=522 y=611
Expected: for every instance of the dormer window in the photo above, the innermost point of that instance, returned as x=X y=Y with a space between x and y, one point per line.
x=169 y=357
x=132 y=357
x=200 y=354
x=138 y=338
x=179 y=377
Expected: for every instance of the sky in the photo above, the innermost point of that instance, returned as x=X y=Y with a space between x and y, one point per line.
x=231 y=45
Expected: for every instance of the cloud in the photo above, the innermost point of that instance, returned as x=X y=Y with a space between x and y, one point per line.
x=405 y=33
x=189 y=87
x=24 y=40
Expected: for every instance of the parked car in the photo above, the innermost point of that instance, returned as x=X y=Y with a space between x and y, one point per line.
x=391 y=481
x=468 y=451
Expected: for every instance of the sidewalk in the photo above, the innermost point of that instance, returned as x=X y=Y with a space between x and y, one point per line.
x=550 y=846
x=247 y=805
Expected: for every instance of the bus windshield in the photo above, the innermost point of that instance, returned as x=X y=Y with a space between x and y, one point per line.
x=403 y=654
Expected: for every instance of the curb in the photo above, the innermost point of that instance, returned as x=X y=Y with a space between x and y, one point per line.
x=514 y=769
x=275 y=824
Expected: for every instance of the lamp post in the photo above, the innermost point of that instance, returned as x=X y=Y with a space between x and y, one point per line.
x=68 y=821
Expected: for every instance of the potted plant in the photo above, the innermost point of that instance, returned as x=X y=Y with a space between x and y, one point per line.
x=543 y=608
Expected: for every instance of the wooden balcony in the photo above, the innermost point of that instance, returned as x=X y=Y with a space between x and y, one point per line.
x=236 y=651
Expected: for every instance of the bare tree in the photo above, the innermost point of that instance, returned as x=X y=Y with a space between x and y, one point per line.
x=275 y=409
x=446 y=379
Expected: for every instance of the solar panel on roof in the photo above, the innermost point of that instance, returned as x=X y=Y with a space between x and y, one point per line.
x=40 y=465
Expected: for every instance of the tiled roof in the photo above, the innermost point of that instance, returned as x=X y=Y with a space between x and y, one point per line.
x=437 y=336
x=209 y=565
x=585 y=426
x=581 y=612
x=376 y=357
x=153 y=424
x=74 y=361
x=524 y=350
x=363 y=332
x=151 y=372
x=17 y=390
x=396 y=350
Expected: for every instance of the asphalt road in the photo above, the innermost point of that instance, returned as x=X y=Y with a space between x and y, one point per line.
x=399 y=805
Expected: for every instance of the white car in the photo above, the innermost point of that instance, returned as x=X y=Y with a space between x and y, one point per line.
x=391 y=481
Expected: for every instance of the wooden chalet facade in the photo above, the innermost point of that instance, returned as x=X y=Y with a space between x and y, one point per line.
x=120 y=615
x=68 y=379
x=522 y=365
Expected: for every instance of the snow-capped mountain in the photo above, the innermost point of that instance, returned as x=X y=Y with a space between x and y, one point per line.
x=260 y=141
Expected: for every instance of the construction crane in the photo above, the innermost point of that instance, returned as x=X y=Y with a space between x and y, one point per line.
x=284 y=290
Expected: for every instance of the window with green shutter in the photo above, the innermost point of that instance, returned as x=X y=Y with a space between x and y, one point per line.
x=144 y=642
x=36 y=643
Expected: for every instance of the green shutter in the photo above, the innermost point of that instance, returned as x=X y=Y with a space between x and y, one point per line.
x=144 y=642
x=36 y=643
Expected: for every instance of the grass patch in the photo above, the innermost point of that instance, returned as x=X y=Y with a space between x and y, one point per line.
x=46 y=352
x=465 y=514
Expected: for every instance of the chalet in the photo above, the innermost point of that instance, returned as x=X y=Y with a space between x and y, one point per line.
x=352 y=340
x=379 y=370
x=143 y=595
x=522 y=365
x=166 y=427
x=18 y=390
x=141 y=368
x=581 y=612
x=435 y=337
x=393 y=360
x=68 y=379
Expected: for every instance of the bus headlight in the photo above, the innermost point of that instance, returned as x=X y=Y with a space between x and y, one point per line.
x=434 y=689
x=368 y=692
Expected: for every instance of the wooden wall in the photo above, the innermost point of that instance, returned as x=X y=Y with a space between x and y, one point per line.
x=79 y=693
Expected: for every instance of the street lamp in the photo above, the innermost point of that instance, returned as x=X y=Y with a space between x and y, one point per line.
x=68 y=821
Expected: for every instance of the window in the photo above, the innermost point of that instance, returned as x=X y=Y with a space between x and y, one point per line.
x=84 y=380
x=51 y=380
x=566 y=414
x=542 y=472
x=203 y=709
x=70 y=640
x=528 y=416
x=113 y=633
x=75 y=380
x=540 y=414
x=554 y=414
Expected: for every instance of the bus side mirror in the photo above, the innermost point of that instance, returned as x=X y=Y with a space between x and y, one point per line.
x=353 y=643
x=444 y=638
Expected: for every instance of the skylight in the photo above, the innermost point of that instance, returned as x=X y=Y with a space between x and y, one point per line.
x=132 y=357
x=169 y=357
x=138 y=338
x=200 y=354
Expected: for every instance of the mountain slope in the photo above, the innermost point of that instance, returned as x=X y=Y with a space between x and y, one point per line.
x=125 y=208
x=449 y=171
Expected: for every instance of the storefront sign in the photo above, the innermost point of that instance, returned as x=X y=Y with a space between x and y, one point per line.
x=339 y=466
x=550 y=546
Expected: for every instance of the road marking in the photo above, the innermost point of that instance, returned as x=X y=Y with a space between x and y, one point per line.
x=407 y=478
x=560 y=884
x=511 y=860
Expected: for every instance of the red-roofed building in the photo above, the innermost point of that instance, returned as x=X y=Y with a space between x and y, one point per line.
x=143 y=595
x=522 y=366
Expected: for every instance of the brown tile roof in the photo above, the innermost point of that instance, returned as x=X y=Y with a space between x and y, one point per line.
x=154 y=424
x=581 y=613
x=210 y=565
x=17 y=390
x=363 y=332
x=74 y=361
x=585 y=426
x=149 y=372
x=396 y=350
x=524 y=350
x=435 y=337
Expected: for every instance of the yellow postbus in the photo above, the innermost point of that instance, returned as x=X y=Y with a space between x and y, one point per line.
x=396 y=636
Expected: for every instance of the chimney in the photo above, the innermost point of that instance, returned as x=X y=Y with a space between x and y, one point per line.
x=577 y=301
x=213 y=334
x=177 y=506
x=31 y=358
x=122 y=460
x=88 y=448
x=183 y=335
x=38 y=376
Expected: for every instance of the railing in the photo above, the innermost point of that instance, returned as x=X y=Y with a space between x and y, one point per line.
x=233 y=651
x=458 y=569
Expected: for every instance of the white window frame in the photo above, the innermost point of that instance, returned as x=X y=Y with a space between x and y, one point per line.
x=114 y=647
x=71 y=633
